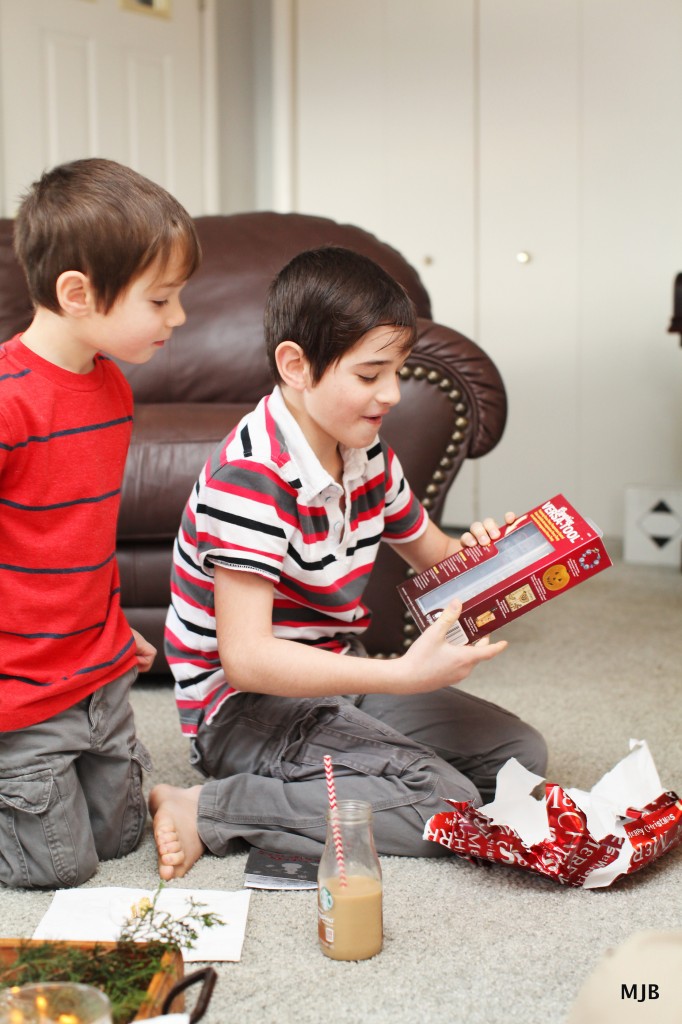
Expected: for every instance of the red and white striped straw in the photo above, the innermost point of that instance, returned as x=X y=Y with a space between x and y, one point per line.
x=336 y=830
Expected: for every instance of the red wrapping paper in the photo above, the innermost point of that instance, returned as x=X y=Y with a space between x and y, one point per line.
x=570 y=852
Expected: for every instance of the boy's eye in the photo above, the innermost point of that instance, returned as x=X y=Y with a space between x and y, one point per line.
x=367 y=380
x=160 y=302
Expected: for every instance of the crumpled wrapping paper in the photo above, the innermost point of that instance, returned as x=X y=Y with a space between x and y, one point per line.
x=589 y=839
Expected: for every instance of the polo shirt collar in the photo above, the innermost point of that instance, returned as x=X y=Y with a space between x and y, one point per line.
x=305 y=464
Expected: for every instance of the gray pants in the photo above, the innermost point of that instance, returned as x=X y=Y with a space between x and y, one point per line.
x=402 y=754
x=71 y=791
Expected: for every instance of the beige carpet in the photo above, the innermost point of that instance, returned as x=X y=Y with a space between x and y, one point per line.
x=467 y=945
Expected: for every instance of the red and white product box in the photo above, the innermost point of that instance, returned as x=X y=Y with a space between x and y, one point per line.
x=542 y=554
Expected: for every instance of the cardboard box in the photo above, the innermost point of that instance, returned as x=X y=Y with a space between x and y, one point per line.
x=542 y=554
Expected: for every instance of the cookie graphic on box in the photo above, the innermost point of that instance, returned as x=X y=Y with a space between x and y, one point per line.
x=518 y=598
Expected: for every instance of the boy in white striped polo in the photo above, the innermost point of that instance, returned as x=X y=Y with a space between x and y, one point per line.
x=275 y=548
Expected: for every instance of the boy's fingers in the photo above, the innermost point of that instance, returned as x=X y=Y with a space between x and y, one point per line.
x=482 y=650
x=481 y=533
x=486 y=651
x=491 y=527
x=450 y=614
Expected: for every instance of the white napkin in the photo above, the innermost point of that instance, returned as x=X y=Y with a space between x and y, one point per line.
x=98 y=914
x=170 y=1018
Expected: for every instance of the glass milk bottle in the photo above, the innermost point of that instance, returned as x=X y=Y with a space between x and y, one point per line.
x=350 y=924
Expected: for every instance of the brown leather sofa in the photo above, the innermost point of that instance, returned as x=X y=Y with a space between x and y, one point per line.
x=192 y=393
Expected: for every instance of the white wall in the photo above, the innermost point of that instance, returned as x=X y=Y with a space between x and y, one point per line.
x=245 y=103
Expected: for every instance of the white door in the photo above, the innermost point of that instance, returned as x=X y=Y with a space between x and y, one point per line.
x=111 y=78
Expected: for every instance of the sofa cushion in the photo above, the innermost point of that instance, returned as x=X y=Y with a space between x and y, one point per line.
x=170 y=444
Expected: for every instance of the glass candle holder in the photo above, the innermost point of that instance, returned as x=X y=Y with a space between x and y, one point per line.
x=54 y=1003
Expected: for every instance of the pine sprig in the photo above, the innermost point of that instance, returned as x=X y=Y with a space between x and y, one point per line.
x=148 y=923
x=123 y=972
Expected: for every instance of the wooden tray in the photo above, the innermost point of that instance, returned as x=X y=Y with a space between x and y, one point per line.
x=169 y=974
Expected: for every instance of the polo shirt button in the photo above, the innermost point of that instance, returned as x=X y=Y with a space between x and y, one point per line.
x=338 y=526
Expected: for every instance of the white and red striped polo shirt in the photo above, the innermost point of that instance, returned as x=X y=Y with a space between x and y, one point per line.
x=264 y=504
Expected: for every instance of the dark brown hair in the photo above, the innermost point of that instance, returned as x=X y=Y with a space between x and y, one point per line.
x=326 y=299
x=104 y=220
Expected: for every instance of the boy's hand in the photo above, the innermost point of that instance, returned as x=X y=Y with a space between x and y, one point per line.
x=144 y=651
x=432 y=662
x=483 y=533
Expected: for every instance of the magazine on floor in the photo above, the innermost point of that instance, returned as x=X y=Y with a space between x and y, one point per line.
x=266 y=870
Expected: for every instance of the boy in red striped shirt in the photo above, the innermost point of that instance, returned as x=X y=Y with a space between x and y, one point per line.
x=264 y=630
x=106 y=253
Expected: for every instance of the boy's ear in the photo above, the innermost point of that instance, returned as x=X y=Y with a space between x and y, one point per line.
x=75 y=294
x=293 y=366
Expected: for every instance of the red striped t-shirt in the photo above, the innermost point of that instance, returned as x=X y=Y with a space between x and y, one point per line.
x=64 y=438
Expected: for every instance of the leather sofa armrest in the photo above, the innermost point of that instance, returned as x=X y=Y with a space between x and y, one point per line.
x=453 y=408
x=451 y=353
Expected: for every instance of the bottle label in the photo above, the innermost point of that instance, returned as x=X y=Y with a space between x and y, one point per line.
x=326 y=899
x=350 y=917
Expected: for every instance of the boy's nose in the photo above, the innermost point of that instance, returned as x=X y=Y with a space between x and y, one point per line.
x=177 y=315
x=390 y=392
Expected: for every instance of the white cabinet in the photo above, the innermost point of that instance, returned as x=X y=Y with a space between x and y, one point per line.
x=528 y=156
x=468 y=133
x=384 y=131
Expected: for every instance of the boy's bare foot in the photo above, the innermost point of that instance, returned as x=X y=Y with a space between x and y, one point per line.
x=174 y=814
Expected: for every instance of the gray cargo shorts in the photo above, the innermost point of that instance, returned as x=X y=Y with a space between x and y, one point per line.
x=71 y=791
